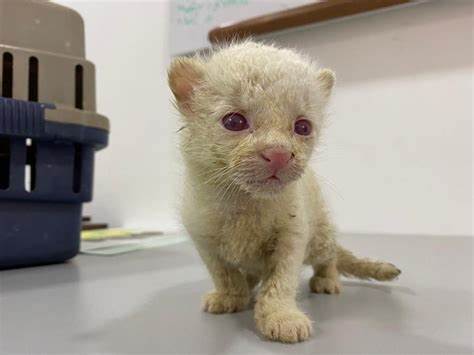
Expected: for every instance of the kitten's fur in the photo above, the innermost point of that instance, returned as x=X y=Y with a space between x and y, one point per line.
x=249 y=232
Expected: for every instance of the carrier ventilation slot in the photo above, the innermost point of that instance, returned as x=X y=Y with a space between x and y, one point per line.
x=79 y=87
x=4 y=163
x=7 y=75
x=30 y=165
x=77 y=174
x=33 y=79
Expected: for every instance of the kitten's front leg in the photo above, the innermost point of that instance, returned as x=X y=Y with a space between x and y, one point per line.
x=231 y=292
x=276 y=313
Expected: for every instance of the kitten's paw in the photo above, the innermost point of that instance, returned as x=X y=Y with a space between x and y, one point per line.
x=324 y=285
x=285 y=326
x=216 y=302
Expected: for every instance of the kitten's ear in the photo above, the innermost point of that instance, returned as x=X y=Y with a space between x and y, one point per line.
x=184 y=75
x=326 y=79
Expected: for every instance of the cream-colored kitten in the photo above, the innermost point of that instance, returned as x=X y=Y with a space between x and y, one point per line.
x=253 y=114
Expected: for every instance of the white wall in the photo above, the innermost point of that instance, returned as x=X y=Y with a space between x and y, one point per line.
x=398 y=152
x=191 y=20
x=135 y=180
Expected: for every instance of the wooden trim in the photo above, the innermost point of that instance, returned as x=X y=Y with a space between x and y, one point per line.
x=299 y=16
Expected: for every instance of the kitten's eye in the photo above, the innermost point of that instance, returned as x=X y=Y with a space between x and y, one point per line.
x=303 y=127
x=235 y=122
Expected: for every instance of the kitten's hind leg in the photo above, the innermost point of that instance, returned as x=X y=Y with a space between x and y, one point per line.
x=325 y=278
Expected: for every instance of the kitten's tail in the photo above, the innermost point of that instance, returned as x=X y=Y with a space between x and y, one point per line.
x=350 y=265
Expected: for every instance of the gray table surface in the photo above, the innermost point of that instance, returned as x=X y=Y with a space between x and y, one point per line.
x=149 y=302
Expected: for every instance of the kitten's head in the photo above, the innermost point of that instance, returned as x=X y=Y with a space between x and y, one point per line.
x=252 y=113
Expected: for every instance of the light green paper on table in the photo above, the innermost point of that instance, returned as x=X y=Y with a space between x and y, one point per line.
x=117 y=247
x=116 y=233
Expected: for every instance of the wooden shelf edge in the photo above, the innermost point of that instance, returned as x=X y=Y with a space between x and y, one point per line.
x=299 y=16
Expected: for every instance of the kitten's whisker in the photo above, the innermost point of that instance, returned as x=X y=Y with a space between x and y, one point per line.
x=225 y=172
x=232 y=188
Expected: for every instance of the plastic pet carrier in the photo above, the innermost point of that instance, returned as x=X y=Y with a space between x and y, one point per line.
x=49 y=132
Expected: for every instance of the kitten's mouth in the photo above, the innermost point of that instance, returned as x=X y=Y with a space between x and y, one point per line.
x=268 y=186
x=273 y=180
x=268 y=182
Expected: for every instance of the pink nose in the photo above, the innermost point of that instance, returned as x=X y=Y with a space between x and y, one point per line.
x=277 y=158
